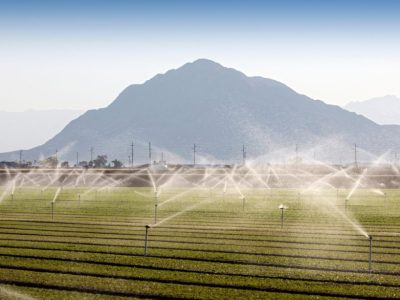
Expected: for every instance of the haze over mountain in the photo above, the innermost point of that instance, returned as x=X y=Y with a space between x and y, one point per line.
x=219 y=109
x=382 y=110
x=27 y=129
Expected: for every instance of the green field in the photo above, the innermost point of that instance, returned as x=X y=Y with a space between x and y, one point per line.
x=207 y=244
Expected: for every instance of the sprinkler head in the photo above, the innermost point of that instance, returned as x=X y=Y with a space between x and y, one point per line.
x=370 y=237
x=147 y=226
x=282 y=207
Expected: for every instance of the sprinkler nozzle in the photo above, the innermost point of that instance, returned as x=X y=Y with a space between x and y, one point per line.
x=370 y=254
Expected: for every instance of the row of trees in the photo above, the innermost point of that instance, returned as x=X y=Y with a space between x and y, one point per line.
x=52 y=162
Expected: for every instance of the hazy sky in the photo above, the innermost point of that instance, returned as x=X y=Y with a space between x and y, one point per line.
x=81 y=54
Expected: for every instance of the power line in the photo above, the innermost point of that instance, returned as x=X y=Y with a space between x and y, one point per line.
x=194 y=154
x=244 y=155
x=91 y=154
x=132 y=153
x=150 y=152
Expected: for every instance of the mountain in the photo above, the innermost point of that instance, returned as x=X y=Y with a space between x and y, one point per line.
x=219 y=109
x=382 y=110
x=27 y=129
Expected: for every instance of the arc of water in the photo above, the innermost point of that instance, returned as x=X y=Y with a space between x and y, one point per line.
x=56 y=194
x=182 y=212
x=356 y=185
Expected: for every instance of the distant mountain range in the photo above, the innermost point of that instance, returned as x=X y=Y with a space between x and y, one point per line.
x=382 y=110
x=219 y=109
x=27 y=129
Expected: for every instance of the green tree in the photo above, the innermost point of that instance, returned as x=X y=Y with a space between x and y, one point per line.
x=100 y=161
x=116 y=164
x=49 y=162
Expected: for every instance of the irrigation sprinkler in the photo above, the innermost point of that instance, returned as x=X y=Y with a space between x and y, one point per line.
x=79 y=200
x=243 y=201
x=155 y=213
x=155 y=206
x=12 y=196
x=282 y=208
x=52 y=210
x=337 y=194
x=345 y=203
x=147 y=227
x=384 y=199
x=370 y=254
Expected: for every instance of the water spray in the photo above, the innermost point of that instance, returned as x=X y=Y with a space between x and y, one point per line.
x=370 y=254
x=13 y=188
x=224 y=191
x=54 y=201
x=147 y=227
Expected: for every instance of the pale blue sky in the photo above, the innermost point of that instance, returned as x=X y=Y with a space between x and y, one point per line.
x=81 y=54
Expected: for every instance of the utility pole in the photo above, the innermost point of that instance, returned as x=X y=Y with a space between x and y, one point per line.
x=129 y=160
x=150 y=152
x=132 y=154
x=355 y=156
x=91 y=154
x=57 y=154
x=244 y=155
x=20 y=157
x=194 y=154
x=77 y=158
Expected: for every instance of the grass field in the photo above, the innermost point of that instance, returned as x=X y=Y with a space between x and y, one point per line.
x=207 y=244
